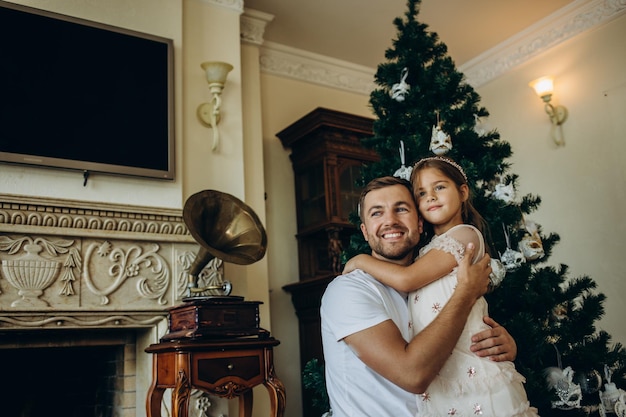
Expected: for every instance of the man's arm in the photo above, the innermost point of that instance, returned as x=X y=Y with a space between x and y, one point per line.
x=414 y=365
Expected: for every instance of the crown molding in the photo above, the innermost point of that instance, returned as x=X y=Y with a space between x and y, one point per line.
x=236 y=5
x=318 y=69
x=574 y=19
x=252 y=26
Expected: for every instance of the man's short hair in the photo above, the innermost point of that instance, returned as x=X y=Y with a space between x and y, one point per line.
x=378 y=183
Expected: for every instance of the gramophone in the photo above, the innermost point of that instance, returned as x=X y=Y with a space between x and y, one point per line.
x=228 y=229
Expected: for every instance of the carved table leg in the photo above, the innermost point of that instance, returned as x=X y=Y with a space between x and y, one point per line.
x=245 y=404
x=278 y=396
x=275 y=388
x=180 y=396
x=155 y=397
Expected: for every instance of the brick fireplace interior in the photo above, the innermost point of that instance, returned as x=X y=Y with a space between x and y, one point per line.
x=68 y=373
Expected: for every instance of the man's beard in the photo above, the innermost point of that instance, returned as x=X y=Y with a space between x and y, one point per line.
x=393 y=252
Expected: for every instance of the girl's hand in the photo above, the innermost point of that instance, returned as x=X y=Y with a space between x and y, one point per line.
x=352 y=264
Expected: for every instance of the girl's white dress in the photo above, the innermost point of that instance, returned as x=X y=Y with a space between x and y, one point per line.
x=467 y=385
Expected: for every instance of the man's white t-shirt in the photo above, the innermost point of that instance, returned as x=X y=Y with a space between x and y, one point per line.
x=352 y=303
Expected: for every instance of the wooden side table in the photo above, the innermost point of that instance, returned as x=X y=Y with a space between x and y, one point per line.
x=225 y=368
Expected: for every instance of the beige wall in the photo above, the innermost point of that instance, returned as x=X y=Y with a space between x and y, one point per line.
x=206 y=31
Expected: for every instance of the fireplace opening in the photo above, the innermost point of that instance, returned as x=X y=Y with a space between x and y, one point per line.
x=71 y=373
x=59 y=381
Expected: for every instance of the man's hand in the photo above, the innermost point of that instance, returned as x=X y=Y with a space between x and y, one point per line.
x=473 y=279
x=495 y=343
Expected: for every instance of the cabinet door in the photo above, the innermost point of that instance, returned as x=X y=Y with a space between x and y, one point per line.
x=311 y=196
x=349 y=191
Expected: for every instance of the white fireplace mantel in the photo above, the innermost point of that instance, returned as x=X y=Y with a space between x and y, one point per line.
x=70 y=264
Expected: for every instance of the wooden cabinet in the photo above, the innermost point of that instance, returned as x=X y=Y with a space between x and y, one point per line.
x=327 y=155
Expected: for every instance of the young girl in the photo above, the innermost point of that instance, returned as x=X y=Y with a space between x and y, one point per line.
x=467 y=385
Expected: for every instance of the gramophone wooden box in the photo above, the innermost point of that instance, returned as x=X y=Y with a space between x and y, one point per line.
x=214 y=317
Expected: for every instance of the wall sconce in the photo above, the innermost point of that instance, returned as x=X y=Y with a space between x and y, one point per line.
x=544 y=87
x=209 y=113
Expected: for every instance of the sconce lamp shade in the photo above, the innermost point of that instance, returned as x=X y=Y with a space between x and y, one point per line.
x=209 y=113
x=544 y=87
x=216 y=71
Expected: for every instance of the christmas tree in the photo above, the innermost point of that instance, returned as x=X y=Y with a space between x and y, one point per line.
x=423 y=106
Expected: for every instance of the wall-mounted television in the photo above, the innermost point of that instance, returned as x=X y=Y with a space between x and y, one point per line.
x=82 y=95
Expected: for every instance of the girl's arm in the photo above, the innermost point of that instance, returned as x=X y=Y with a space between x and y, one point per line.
x=428 y=268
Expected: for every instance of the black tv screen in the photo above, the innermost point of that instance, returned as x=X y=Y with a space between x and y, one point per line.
x=86 y=96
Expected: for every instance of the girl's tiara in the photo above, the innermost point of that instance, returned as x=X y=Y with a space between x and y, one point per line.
x=446 y=160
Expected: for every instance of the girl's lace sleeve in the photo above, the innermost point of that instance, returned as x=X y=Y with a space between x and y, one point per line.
x=447 y=244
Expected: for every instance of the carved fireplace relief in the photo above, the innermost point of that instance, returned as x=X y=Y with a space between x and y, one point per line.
x=69 y=269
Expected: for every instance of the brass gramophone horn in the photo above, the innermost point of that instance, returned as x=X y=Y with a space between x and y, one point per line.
x=226 y=228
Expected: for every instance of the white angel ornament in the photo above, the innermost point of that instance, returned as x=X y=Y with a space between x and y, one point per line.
x=403 y=171
x=531 y=245
x=401 y=89
x=440 y=141
x=561 y=381
x=498 y=272
x=511 y=259
x=480 y=127
x=505 y=192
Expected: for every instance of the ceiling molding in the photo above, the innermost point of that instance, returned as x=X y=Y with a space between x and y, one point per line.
x=285 y=61
x=572 y=20
x=236 y=5
x=252 y=26
x=560 y=26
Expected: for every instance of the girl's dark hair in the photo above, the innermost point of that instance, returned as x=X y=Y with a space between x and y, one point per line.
x=452 y=170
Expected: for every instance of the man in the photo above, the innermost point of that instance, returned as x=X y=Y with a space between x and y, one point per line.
x=373 y=368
